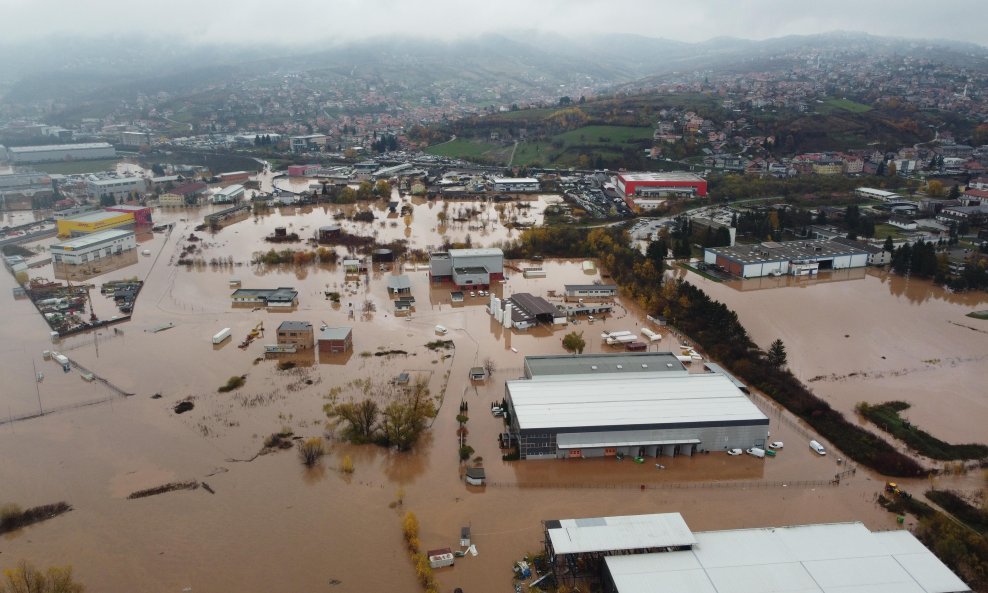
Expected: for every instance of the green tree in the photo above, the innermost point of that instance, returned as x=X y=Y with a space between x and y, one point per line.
x=574 y=342
x=777 y=354
x=656 y=253
x=25 y=578
x=360 y=418
x=888 y=246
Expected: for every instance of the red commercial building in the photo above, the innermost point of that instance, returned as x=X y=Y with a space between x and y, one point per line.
x=142 y=214
x=631 y=184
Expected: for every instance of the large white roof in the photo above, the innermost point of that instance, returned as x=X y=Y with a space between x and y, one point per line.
x=832 y=558
x=628 y=400
x=475 y=252
x=630 y=532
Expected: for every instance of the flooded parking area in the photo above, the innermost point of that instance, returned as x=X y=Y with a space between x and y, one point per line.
x=268 y=523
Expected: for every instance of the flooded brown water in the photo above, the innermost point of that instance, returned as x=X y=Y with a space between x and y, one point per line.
x=271 y=524
x=875 y=337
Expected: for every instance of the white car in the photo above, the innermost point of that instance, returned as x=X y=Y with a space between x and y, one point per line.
x=473 y=294
x=734 y=451
x=775 y=445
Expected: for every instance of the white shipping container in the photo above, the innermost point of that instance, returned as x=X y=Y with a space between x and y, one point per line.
x=222 y=335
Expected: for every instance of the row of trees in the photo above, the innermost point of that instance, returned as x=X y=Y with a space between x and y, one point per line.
x=389 y=416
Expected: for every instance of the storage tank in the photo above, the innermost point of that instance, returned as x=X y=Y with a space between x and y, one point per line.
x=507 y=315
x=382 y=255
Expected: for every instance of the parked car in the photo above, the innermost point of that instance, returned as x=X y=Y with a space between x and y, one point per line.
x=817 y=448
x=734 y=451
x=775 y=445
x=497 y=411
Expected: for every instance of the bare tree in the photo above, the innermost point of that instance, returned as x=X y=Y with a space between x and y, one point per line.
x=490 y=365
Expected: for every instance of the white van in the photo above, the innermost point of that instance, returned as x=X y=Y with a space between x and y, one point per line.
x=756 y=452
x=441 y=330
x=818 y=448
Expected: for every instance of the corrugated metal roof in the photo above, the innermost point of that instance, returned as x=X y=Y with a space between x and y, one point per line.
x=91 y=239
x=831 y=558
x=626 y=400
x=475 y=252
x=630 y=532
x=399 y=282
x=552 y=365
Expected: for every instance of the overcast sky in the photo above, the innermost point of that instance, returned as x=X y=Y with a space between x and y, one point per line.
x=304 y=20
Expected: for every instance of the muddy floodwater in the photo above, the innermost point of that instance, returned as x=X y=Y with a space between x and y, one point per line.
x=870 y=335
x=266 y=523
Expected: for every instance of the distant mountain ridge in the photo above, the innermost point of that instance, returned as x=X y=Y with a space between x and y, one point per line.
x=73 y=69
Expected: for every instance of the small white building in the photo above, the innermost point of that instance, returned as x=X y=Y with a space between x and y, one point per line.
x=92 y=247
x=230 y=194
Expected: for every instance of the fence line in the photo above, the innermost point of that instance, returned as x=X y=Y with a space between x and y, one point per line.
x=735 y=485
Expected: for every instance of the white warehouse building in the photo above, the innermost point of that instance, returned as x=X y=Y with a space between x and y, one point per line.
x=61 y=152
x=117 y=187
x=92 y=247
x=516 y=184
x=230 y=194
x=790 y=258
x=643 y=404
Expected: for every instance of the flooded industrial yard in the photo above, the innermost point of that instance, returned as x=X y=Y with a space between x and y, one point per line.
x=274 y=525
x=875 y=337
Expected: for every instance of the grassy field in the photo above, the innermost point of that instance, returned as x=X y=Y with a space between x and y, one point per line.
x=835 y=104
x=467 y=149
x=76 y=167
x=884 y=230
x=565 y=149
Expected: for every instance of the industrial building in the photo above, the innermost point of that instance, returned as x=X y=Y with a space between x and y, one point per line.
x=638 y=404
x=590 y=291
x=142 y=214
x=221 y=216
x=308 y=142
x=648 y=553
x=115 y=187
x=523 y=310
x=282 y=296
x=668 y=183
x=336 y=339
x=877 y=194
x=92 y=247
x=230 y=194
x=467 y=267
x=60 y=152
x=794 y=258
x=183 y=195
x=92 y=222
x=516 y=185
x=296 y=333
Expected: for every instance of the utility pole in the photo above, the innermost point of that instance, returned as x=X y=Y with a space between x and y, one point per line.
x=37 y=389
